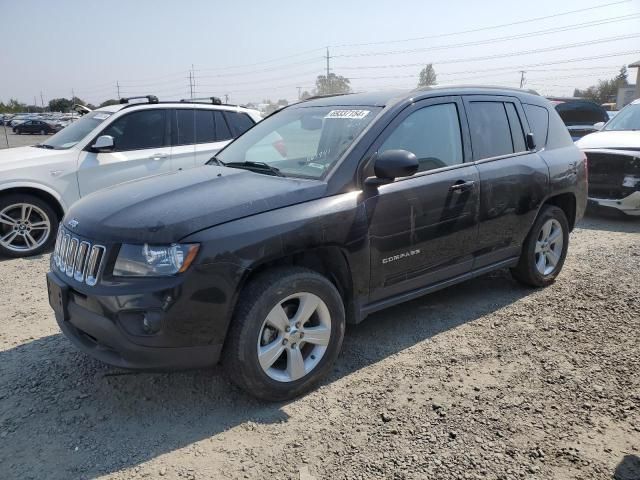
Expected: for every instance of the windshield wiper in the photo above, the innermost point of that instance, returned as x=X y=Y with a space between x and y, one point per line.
x=214 y=161
x=258 y=167
x=44 y=145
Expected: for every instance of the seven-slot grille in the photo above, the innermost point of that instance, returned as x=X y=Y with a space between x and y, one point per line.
x=77 y=258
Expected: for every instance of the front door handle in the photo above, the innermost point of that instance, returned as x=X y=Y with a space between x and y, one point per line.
x=159 y=156
x=462 y=186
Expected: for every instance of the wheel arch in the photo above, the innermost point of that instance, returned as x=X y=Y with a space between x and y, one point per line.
x=567 y=203
x=46 y=194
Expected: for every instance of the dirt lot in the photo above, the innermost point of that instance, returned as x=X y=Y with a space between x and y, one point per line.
x=19 y=140
x=484 y=380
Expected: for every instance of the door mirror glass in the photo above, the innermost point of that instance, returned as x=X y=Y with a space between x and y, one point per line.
x=392 y=164
x=598 y=126
x=104 y=143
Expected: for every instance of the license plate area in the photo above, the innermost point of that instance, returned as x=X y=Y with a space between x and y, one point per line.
x=58 y=296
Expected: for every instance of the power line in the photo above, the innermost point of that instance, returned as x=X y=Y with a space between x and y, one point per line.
x=482 y=29
x=499 y=39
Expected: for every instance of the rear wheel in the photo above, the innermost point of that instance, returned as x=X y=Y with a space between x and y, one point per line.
x=286 y=334
x=545 y=249
x=42 y=132
x=28 y=225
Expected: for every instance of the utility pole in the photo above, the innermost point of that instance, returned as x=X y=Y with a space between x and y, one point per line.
x=35 y=103
x=192 y=80
x=73 y=95
x=328 y=69
x=226 y=98
x=522 y=79
x=118 y=88
x=299 y=89
x=41 y=100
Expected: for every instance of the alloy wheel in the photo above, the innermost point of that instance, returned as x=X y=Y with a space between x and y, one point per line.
x=23 y=227
x=549 y=244
x=294 y=337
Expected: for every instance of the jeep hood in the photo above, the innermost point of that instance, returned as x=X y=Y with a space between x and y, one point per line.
x=21 y=157
x=614 y=139
x=166 y=208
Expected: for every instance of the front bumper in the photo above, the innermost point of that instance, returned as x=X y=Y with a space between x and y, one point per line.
x=105 y=328
x=629 y=205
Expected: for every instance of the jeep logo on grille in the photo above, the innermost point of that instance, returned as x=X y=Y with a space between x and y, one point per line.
x=73 y=223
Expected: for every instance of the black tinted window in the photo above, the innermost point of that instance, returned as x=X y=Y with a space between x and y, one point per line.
x=538 y=118
x=581 y=113
x=490 y=132
x=185 y=127
x=517 y=134
x=432 y=134
x=205 y=128
x=239 y=122
x=138 y=130
x=222 y=130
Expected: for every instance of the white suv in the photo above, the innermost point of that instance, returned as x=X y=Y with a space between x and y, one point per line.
x=105 y=147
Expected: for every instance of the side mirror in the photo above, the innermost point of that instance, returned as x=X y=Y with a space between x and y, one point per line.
x=392 y=164
x=531 y=141
x=599 y=125
x=104 y=143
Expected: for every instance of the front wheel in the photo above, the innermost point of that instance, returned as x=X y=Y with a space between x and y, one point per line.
x=544 y=249
x=28 y=225
x=286 y=334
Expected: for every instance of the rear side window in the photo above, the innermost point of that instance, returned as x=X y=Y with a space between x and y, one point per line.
x=185 y=127
x=222 y=130
x=239 y=122
x=490 y=132
x=205 y=128
x=538 y=118
x=517 y=134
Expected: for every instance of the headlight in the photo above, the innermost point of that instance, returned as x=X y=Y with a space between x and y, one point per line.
x=154 y=260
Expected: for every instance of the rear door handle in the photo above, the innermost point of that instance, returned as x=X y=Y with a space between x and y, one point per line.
x=159 y=156
x=462 y=186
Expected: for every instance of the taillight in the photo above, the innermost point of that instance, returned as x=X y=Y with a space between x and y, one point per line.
x=280 y=146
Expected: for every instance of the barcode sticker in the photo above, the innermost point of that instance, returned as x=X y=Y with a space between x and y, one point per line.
x=353 y=114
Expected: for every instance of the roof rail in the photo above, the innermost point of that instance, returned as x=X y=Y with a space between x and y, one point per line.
x=326 y=95
x=212 y=100
x=150 y=99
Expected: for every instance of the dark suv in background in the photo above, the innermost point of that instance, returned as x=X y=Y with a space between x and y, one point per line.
x=377 y=199
x=579 y=115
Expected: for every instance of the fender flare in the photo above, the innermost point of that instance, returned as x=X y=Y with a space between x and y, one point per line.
x=36 y=186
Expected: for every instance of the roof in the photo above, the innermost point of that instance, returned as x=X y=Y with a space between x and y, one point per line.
x=390 y=97
x=177 y=104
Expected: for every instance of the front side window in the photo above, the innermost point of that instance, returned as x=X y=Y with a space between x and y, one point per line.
x=301 y=141
x=490 y=132
x=76 y=131
x=138 y=130
x=432 y=134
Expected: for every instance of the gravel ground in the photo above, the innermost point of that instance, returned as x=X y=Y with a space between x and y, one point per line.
x=19 y=140
x=485 y=380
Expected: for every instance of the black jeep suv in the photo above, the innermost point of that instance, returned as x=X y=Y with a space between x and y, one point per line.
x=319 y=215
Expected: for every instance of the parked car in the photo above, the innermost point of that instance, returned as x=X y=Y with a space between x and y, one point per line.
x=18 y=119
x=579 y=115
x=381 y=198
x=614 y=162
x=107 y=146
x=34 y=126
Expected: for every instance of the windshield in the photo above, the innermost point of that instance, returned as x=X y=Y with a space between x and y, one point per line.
x=626 y=119
x=73 y=133
x=300 y=141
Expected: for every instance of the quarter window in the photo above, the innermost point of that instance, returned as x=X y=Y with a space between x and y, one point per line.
x=538 y=118
x=138 y=130
x=239 y=122
x=432 y=134
x=490 y=132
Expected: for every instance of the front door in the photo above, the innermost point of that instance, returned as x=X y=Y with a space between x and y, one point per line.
x=423 y=228
x=513 y=179
x=141 y=149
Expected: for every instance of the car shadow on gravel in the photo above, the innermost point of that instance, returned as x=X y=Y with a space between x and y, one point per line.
x=64 y=415
x=610 y=223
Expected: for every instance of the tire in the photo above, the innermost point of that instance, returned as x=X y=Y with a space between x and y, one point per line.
x=536 y=267
x=26 y=238
x=42 y=132
x=287 y=287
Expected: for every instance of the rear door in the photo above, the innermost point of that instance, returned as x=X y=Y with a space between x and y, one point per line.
x=142 y=148
x=212 y=134
x=423 y=228
x=513 y=180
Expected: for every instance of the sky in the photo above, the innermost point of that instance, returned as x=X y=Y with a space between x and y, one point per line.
x=256 y=50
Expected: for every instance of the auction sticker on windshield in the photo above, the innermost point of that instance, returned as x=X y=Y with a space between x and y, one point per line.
x=354 y=114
